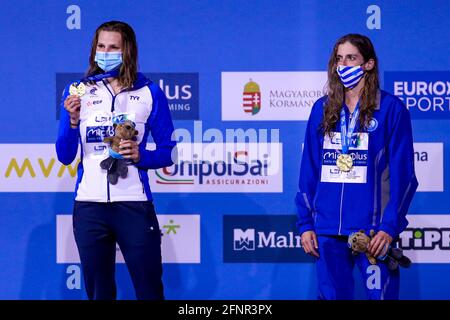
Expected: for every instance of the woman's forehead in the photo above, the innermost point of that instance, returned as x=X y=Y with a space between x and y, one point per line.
x=109 y=36
x=347 y=48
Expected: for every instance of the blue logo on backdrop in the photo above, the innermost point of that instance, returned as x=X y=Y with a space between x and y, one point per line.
x=262 y=238
x=181 y=90
x=426 y=94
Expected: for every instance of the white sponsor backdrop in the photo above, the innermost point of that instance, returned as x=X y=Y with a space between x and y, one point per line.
x=180 y=244
x=239 y=167
x=429 y=166
x=35 y=168
x=284 y=95
x=223 y=167
x=439 y=238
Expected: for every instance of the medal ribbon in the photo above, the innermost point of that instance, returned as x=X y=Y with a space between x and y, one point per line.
x=346 y=134
x=98 y=77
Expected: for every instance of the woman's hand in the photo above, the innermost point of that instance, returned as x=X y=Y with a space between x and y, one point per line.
x=309 y=243
x=380 y=244
x=72 y=104
x=129 y=149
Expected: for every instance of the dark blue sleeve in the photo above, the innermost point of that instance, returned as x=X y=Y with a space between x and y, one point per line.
x=403 y=181
x=309 y=170
x=67 y=142
x=161 y=128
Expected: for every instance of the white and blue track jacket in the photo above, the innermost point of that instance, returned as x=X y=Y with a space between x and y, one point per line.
x=378 y=190
x=146 y=105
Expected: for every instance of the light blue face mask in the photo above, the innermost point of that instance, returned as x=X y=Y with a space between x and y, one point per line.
x=108 y=61
x=350 y=76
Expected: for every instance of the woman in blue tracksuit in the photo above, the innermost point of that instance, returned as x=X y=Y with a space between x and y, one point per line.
x=357 y=172
x=109 y=208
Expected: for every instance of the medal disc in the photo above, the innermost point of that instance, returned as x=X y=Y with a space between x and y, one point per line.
x=73 y=89
x=77 y=89
x=344 y=162
x=81 y=89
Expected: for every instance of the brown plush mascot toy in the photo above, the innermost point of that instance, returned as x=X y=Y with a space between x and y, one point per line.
x=115 y=164
x=359 y=241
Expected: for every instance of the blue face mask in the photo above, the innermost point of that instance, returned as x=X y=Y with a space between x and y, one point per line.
x=350 y=76
x=108 y=61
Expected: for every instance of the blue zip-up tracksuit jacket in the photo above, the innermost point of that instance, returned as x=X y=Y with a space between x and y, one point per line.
x=146 y=105
x=378 y=190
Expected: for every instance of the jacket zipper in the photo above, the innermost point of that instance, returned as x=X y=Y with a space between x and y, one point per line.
x=142 y=182
x=340 y=211
x=112 y=110
x=342 y=189
x=107 y=189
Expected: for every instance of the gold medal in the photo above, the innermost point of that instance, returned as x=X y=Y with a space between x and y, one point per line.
x=344 y=162
x=77 y=89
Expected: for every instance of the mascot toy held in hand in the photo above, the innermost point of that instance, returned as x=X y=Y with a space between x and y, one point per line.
x=359 y=242
x=115 y=164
